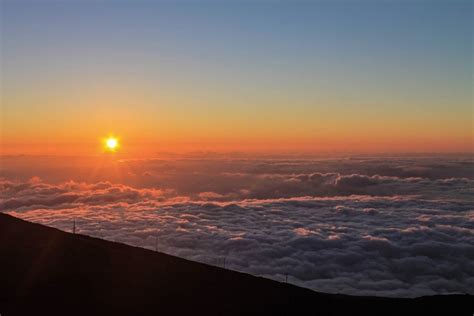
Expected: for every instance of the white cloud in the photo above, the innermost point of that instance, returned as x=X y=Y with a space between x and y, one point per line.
x=363 y=234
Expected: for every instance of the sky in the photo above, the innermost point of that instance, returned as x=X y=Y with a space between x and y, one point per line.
x=330 y=140
x=256 y=76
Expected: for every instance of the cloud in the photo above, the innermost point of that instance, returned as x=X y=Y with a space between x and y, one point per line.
x=363 y=245
x=351 y=229
x=35 y=194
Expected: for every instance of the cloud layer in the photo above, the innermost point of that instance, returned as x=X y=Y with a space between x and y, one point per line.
x=348 y=232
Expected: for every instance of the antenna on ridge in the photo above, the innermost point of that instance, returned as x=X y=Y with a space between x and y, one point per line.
x=74 y=226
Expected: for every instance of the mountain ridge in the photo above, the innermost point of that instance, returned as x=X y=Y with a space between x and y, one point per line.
x=51 y=272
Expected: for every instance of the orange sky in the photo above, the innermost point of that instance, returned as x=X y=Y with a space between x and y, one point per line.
x=316 y=83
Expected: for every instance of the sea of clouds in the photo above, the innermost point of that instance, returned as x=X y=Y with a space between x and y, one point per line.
x=389 y=226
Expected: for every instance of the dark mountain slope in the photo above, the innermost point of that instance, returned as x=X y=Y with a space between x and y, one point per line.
x=44 y=271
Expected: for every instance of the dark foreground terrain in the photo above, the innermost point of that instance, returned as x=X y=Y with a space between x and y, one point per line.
x=44 y=271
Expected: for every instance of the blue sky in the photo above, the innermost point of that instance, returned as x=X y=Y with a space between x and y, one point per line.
x=264 y=59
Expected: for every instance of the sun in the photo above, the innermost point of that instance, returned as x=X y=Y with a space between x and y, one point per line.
x=111 y=143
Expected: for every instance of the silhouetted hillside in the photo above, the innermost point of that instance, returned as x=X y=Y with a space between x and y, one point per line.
x=44 y=271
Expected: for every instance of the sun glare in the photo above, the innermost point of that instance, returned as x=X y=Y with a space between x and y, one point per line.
x=111 y=143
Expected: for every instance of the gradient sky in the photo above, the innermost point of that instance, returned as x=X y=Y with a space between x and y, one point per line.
x=236 y=75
